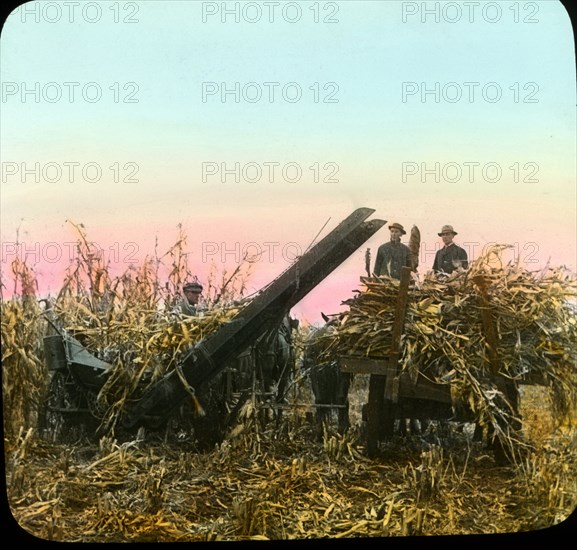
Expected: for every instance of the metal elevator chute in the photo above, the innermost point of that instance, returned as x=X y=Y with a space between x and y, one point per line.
x=209 y=357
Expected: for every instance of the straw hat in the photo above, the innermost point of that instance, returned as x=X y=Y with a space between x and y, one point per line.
x=447 y=229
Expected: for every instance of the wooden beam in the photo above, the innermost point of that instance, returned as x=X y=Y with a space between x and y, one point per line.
x=363 y=365
x=391 y=386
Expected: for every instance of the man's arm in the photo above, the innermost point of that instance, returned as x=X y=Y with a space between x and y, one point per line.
x=437 y=261
x=462 y=256
x=378 y=262
x=408 y=260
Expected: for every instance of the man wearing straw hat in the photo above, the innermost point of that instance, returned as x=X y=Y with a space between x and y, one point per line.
x=451 y=256
x=394 y=255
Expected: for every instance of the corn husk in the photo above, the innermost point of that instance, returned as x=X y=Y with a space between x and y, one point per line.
x=533 y=315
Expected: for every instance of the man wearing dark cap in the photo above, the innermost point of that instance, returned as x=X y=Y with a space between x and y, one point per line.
x=451 y=256
x=394 y=255
x=192 y=292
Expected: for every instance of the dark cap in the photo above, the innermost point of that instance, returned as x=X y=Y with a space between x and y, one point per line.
x=192 y=287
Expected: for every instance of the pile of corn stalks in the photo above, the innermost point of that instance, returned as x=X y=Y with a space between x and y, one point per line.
x=294 y=487
x=132 y=321
x=142 y=344
x=533 y=314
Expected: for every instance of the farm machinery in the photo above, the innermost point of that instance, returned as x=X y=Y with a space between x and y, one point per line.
x=394 y=392
x=77 y=376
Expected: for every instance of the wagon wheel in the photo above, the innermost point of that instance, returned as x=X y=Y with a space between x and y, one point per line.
x=387 y=419
x=54 y=419
x=210 y=427
x=50 y=421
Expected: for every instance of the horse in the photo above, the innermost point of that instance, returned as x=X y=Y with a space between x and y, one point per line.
x=329 y=385
x=274 y=360
x=265 y=367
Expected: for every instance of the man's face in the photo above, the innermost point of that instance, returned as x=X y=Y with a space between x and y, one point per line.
x=395 y=234
x=447 y=237
x=192 y=297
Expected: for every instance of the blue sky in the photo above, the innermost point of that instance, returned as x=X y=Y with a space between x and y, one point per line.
x=151 y=60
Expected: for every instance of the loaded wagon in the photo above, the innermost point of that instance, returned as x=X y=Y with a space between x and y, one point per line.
x=396 y=393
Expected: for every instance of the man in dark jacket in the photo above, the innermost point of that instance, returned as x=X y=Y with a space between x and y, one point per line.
x=451 y=256
x=394 y=255
x=192 y=292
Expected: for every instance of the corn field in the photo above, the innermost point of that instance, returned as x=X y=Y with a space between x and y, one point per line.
x=284 y=477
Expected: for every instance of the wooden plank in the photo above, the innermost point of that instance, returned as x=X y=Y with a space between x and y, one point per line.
x=400 y=312
x=505 y=385
x=374 y=413
x=363 y=365
x=391 y=385
x=384 y=386
x=423 y=389
x=489 y=329
x=405 y=387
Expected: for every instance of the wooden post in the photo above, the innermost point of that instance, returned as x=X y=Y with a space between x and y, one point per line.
x=506 y=386
x=488 y=326
x=383 y=389
x=374 y=412
x=398 y=327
